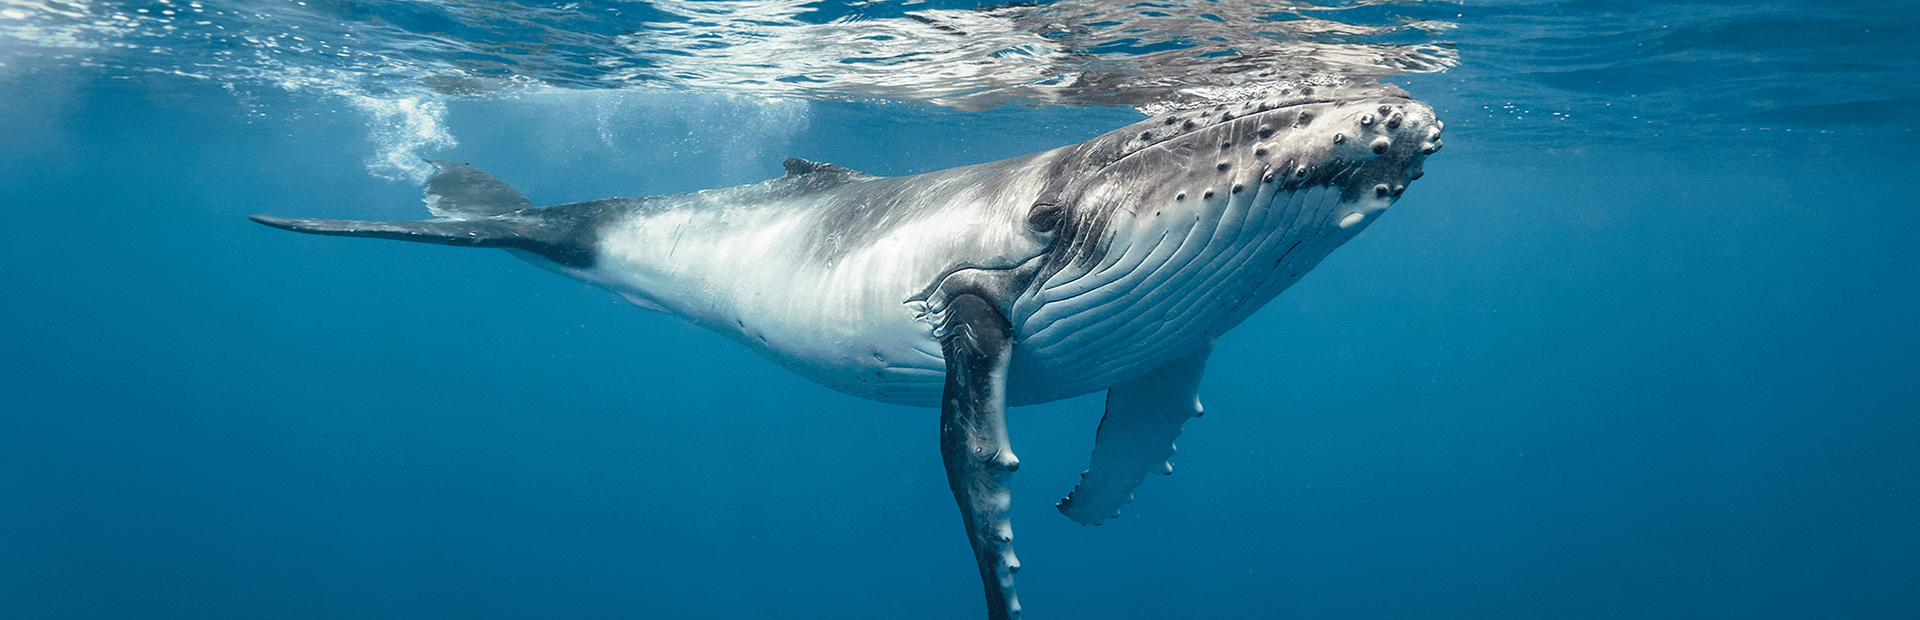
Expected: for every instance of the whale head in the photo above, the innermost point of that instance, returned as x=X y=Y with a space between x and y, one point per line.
x=1175 y=229
x=1367 y=143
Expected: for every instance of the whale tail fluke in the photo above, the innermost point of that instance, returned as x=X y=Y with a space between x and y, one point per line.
x=473 y=209
x=460 y=191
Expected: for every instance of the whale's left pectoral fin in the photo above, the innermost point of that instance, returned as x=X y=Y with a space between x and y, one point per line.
x=978 y=341
x=1136 y=437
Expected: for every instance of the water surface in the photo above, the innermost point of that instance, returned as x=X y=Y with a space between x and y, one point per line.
x=1640 y=344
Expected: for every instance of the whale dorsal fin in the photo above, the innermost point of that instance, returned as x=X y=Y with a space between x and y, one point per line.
x=460 y=192
x=807 y=175
x=798 y=167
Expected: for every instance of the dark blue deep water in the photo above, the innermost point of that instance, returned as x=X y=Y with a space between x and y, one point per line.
x=1643 y=343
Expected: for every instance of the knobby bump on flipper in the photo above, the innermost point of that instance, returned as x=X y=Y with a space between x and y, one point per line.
x=978 y=342
x=1136 y=437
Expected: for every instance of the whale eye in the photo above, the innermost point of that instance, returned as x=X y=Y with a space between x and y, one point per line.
x=1044 y=217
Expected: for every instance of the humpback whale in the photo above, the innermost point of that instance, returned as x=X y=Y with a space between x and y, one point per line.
x=1111 y=265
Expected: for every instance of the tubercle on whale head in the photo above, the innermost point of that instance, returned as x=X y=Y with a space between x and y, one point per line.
x=1353 y=138
x=1370 y=141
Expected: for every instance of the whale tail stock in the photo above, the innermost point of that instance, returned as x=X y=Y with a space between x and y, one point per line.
x=474 y=209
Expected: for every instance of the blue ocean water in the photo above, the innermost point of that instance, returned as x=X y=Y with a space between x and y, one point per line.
x=1642 y=343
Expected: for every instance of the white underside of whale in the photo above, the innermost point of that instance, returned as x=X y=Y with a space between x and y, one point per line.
x=1172 y=283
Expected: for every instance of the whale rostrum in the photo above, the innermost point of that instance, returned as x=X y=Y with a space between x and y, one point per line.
x=1112 y=265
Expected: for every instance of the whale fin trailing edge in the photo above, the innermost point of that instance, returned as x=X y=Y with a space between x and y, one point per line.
x=1136 y=437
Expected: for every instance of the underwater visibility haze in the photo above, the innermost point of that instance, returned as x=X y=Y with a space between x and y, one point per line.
x=1640 y=342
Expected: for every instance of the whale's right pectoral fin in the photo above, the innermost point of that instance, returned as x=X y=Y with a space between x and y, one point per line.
x=978 y=341
x=1136 y=437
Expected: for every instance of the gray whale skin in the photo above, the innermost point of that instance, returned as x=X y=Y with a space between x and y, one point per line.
x=1107 y=265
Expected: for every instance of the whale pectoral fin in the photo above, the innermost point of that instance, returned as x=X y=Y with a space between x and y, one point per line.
x=1136 y=437
x=978 y=342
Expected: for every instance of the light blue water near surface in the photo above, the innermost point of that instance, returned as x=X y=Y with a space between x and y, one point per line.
x=1651 y=363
